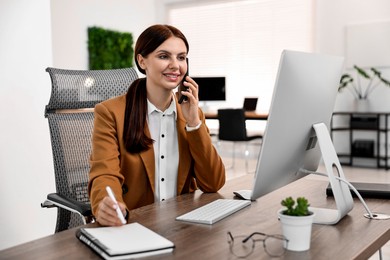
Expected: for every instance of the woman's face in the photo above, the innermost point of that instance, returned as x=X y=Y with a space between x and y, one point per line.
x=166 y=66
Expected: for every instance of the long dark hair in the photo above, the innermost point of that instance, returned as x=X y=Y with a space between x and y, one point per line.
x=134 y=136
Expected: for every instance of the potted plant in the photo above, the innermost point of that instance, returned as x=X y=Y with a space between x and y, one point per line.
x=296 y=222
x=372 y=77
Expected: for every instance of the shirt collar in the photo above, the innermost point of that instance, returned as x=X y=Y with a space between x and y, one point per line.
x=170 y=110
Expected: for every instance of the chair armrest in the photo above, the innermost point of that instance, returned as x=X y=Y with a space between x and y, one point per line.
x=55 y=199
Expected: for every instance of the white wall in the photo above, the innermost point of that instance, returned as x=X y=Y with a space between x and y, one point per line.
x=71 y=18
x=26 y=49
x=26 y=171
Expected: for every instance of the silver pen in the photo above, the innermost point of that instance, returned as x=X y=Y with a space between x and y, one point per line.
x=118 y=210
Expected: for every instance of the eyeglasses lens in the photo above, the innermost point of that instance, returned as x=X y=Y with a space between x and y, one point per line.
x=274 y=245
x=241 y=249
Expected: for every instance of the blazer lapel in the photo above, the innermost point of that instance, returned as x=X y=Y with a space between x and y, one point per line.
x=184 y=151
x=148 y=160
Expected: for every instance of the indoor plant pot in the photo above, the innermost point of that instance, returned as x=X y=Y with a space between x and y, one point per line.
x=296 y=222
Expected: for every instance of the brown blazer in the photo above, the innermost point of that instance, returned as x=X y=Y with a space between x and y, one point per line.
x=131 y=176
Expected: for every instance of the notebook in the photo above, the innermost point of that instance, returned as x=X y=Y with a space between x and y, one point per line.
x=250 y=104
x=368 y=190
x=125 y=242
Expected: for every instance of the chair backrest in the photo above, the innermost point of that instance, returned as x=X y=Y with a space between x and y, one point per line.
x=70 y=115
x=232 y=125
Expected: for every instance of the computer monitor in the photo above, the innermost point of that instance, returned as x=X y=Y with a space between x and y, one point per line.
x=304 y=96
x=211 y=88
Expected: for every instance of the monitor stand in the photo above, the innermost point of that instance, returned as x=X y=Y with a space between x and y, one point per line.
x=342 y=194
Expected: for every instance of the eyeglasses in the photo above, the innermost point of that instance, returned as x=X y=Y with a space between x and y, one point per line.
x=243 y=246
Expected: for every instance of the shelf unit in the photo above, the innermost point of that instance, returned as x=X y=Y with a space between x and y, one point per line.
x=370 y=122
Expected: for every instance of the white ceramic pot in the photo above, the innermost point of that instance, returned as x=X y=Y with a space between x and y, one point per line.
x=297 y=229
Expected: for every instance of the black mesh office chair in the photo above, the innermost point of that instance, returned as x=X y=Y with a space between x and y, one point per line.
x=232 y=127
x=70 y=115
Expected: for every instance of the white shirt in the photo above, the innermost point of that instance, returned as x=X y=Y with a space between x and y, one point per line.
x=162 y=127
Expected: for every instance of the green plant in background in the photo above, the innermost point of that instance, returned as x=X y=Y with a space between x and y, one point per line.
x=373 y=76
x=109 y=49
x=301 y=208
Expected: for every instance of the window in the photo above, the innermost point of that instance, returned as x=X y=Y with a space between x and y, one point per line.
x=242 y=40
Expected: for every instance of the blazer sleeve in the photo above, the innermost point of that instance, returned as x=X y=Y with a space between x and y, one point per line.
x=104 y=161
x=208 y=166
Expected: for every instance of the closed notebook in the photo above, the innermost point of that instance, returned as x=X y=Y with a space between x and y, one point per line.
x=367 y=190
x=124 y=242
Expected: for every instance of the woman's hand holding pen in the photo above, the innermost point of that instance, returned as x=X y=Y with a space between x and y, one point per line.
x=190 y=107
x=107 y=214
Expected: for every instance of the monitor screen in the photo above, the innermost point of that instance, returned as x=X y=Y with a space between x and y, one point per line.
x=211 y=88
x=250 y=104
x=304 y=94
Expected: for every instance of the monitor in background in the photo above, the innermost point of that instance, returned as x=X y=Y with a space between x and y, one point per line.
x=211 y=88
x=304 y=96
x=250 y=104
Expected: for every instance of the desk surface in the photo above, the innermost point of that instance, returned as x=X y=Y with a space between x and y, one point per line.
x=354 y=237
x=249 y=115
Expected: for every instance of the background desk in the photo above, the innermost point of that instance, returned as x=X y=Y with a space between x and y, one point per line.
x=249 y=115
x=354 y=237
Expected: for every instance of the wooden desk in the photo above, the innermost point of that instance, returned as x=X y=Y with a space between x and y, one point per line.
x=354 y=237
x=249 y=115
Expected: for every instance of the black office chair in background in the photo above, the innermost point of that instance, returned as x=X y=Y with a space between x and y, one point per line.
x=232 y=127
x=70 y=115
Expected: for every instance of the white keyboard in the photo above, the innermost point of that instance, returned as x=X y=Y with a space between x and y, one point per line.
x=214 y=211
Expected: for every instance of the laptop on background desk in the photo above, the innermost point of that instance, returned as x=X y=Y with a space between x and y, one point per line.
x=250 y=104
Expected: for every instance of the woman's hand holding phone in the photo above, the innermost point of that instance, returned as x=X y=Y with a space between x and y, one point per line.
x=190 y=108
x=182 y=87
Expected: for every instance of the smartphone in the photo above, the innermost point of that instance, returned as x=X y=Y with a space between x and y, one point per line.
x=182 y=87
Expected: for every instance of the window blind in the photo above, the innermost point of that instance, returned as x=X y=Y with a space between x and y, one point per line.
x=243 y=40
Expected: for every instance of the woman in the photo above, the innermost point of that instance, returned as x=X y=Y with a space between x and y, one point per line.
x=146 y=146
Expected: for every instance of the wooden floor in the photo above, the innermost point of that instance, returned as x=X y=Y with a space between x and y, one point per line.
x=356 y=174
